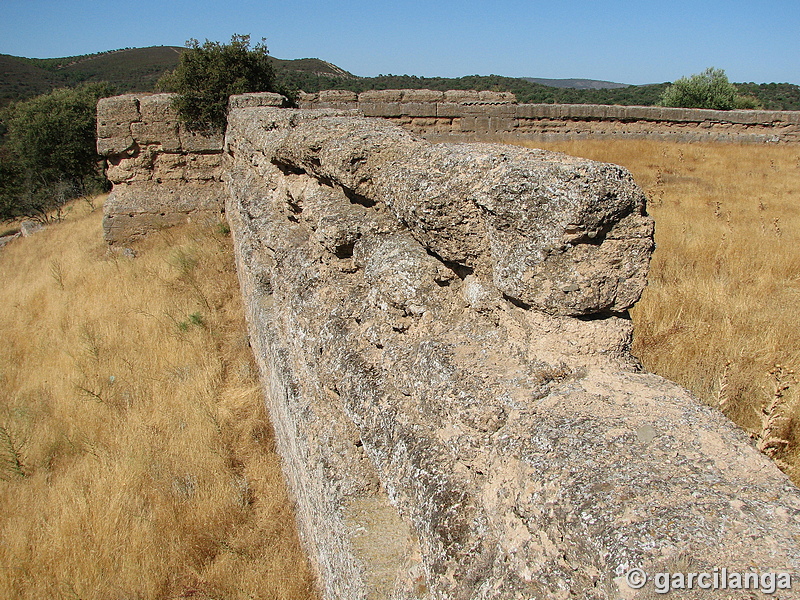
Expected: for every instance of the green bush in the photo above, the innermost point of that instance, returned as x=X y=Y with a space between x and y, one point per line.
x=709 y=89
x=747 y=103
x=48 y=155
x=208 y=75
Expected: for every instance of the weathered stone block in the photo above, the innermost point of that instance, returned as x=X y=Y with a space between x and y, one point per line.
x=418 y=109
x=615 y=113
x=118 y=110
x=196 y=141
x=643 y=113
x=164 y=133
x=461 y=96
x=381 y=96
x=107 y=146
x=467 y=124
x=422 y=96
x=307 y=97
x=28 y=227
x=772 y=116
x=499 y=110
x=743 y=116
x=351 y=151
x=337 y=96
x=157 y=107
x=788 y=116
x=527 y=111
x=256 y=99
x=134 y=210
x=204 y=167
x=449 y=110
x=169 y=166
x=108 y=129
x=381 y=109
x=501 y=124
x=582 y=111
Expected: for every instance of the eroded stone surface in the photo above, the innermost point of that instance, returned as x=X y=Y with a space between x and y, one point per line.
x=410 y=309
x=561 y=234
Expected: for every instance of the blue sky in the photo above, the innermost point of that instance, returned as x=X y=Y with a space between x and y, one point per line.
x=616 y=40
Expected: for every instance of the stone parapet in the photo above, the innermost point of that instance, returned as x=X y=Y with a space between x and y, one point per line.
x=467 y=113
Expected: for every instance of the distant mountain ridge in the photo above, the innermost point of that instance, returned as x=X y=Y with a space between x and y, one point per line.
x=578 y=84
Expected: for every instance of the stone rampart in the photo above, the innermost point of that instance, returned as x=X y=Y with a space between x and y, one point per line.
x=443 y=341
x=460 y=114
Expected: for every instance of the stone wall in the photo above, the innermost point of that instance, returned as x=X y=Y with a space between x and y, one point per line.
x=443 y=341
x=460 y=114
x=163 y=174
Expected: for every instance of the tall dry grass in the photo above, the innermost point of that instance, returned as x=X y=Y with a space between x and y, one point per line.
x=722 y=307
x=136 y=459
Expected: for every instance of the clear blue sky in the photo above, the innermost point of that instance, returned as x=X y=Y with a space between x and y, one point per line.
x=628 y=41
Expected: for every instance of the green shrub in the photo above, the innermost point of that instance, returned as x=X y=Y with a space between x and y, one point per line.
x=48 y=155
x=747 y=103
x=709 y=89
x=208 y=75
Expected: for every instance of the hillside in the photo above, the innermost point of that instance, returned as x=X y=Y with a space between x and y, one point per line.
x=137 y=70
x=132 y=69
x=128 y=70
x=20 y=79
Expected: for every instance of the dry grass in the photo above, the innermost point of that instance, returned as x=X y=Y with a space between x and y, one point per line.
x=136 y=459
x=722 y=308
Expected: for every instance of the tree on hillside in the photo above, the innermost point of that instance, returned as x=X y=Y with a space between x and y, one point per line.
x=49 y=155
x=709 y=89
x=208 y=75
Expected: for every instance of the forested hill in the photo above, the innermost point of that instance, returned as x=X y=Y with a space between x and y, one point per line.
x=137 y=70
x=127 y=70
x=772 y=96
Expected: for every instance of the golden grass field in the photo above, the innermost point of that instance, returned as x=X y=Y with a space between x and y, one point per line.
x=722 y=306
x=136 y=458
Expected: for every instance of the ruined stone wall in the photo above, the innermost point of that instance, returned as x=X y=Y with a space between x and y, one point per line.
x=162 y=173
x=459 y=114
x=443 y=341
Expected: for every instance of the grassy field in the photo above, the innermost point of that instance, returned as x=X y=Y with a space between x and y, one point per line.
x=136 y=458
x=721 y=314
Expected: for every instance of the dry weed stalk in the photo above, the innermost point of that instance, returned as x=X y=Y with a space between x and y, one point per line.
x=722 y=390
x=776 y=224
x=11 y=454
x=773 y=414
